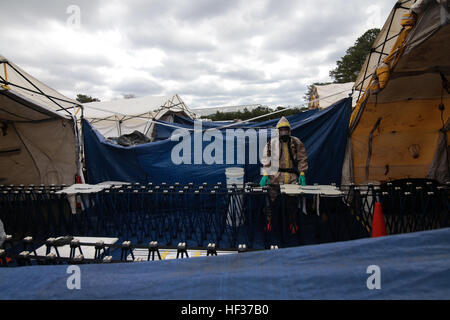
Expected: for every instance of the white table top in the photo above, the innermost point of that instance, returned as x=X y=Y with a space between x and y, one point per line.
x=83 y=188
x=90 y=188
x=294 y=189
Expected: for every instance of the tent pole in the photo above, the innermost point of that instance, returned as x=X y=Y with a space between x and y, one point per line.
x=5 y=86
x=81 y=148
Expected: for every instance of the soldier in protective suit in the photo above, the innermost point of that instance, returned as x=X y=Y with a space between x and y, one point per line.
x=284 y=162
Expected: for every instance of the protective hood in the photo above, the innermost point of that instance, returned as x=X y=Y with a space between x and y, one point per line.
x=283 y=123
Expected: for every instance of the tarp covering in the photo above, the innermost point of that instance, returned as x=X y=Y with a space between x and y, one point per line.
x=440 y=166
x=412 y=266
x=384 y=42
x=395 y=129
x=323 y=133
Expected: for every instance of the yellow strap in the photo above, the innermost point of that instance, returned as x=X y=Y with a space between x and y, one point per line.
x=6 y=72
x=77 y=110
x=5 y=86
x=286 y=156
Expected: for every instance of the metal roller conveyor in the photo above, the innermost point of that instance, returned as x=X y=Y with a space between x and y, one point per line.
x=203 y=213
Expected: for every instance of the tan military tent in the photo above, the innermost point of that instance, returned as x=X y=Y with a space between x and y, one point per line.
x=398 y=128
x=39 y=141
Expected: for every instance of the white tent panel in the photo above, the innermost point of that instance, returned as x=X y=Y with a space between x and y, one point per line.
x=118 y=117
x=124 y=107
x=332 y=93
x=39 y=152
x=26 y=85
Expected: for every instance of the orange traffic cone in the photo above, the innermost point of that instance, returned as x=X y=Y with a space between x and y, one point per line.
x=293 y=227
x=378 y=224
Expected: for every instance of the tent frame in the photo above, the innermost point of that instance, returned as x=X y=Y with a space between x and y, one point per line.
x=359 y=86
x=6 y=83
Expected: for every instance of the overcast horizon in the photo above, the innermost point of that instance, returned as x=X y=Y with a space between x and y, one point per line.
x=212 y=53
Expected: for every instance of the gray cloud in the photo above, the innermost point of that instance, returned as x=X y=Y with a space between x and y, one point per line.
x=138 y=87
x=209 y=52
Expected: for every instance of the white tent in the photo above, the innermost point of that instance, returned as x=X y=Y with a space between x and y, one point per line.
x=323 y=96
x=118 y=117
x=39 y=142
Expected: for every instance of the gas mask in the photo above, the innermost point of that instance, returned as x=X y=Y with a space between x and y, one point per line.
x=284 y=134
x=284 y=138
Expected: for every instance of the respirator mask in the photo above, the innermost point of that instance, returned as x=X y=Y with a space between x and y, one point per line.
x=284 y=138
x=284 y=134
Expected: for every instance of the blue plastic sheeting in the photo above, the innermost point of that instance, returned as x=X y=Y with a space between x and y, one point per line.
x=163 y=132
x=412 y=266
x=323 y=133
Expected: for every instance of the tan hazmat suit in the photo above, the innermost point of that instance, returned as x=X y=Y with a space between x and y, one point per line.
x=276 y=156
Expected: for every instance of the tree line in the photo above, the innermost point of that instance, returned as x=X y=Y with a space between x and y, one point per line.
x=246 y=114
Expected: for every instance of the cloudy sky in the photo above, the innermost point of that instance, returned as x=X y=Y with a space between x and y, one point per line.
x=210 y=52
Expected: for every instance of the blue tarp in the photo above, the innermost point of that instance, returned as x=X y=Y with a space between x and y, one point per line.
x=163 y=132
x=324 y=134
x=412 y=266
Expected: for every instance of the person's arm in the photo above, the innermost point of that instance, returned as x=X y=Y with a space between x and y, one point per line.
x=302 y=157
x=265 y=160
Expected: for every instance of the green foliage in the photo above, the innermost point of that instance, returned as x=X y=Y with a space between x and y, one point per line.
x=247 y=114
x=350 y=64
x=82 y=98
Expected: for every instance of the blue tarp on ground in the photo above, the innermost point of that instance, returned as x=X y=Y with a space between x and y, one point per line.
x=324 y=134
x=412 y=266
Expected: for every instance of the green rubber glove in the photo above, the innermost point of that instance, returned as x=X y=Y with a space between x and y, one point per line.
x=264 y=181
x=302 y=179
